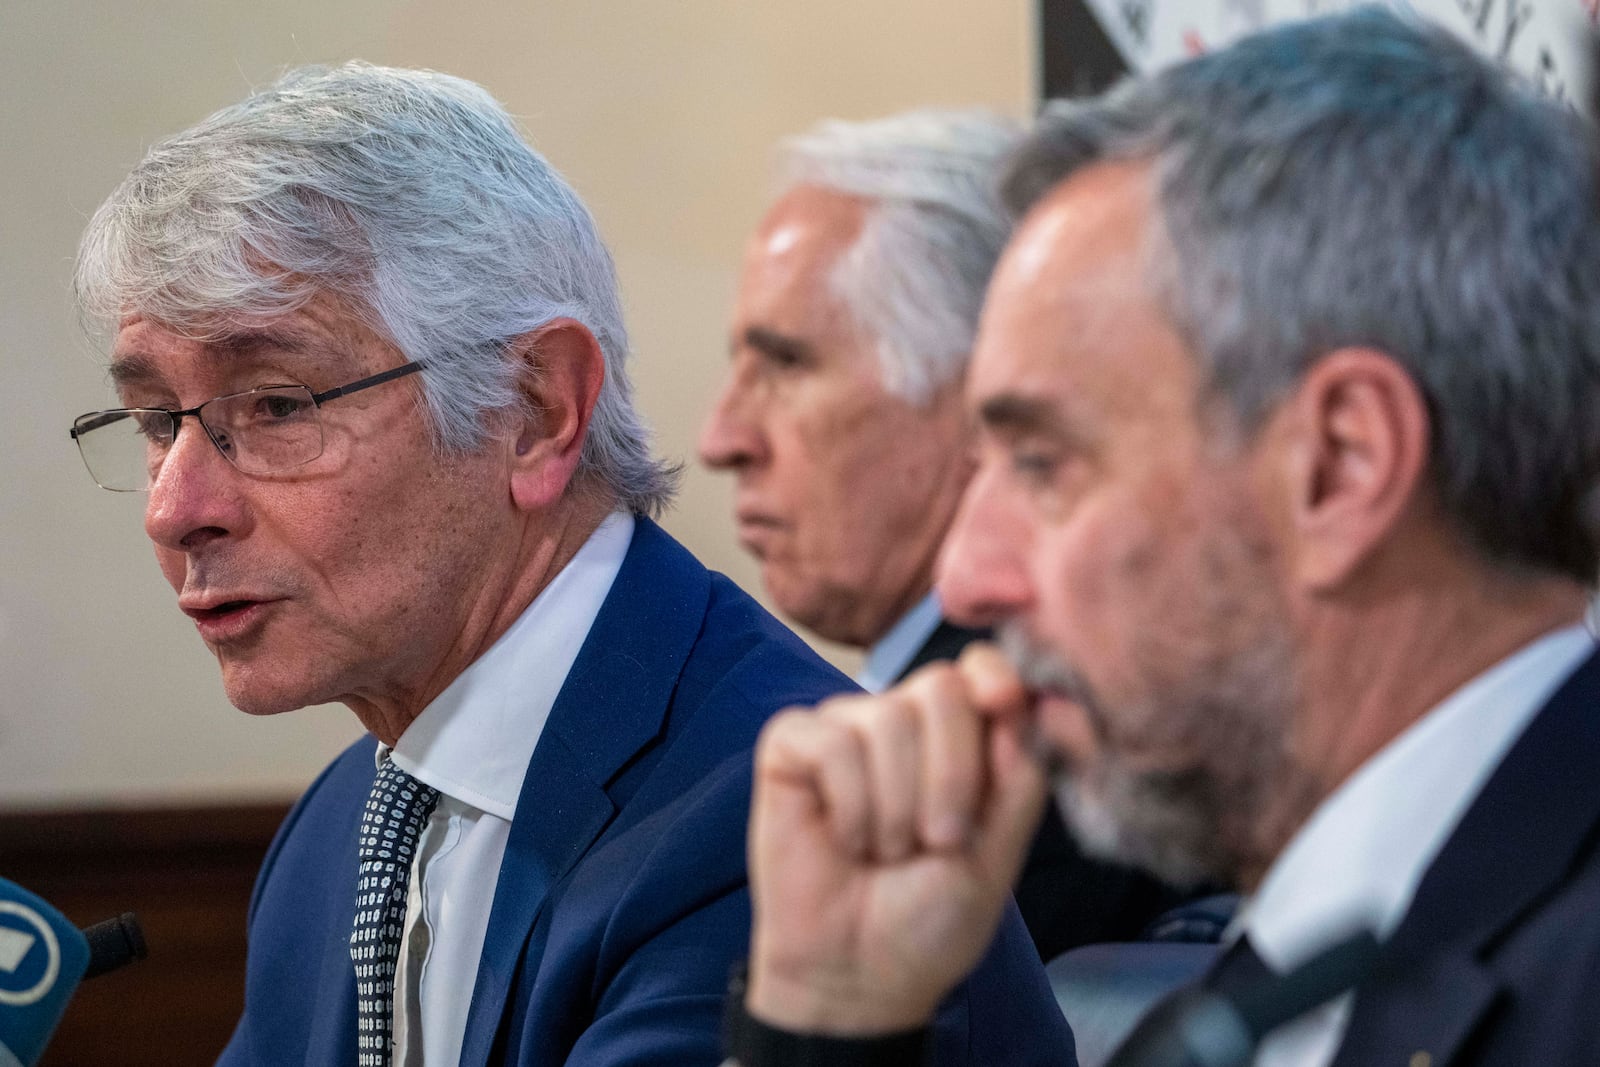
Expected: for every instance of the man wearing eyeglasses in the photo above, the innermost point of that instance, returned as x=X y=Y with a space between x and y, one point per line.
x=370 y=363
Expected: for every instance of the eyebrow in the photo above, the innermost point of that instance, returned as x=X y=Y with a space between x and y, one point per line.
x=137 y=368
x=133 y=370
x=776 y=344
x=1018 y=414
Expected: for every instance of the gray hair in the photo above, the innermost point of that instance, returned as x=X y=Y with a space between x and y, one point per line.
x=1362 y=180
x=411 y=197
x=914 y=279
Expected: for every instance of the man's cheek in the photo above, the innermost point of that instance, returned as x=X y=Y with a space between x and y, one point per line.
x=1088 y=597
x=174 y=567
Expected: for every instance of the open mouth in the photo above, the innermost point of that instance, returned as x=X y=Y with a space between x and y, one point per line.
x=224 y=610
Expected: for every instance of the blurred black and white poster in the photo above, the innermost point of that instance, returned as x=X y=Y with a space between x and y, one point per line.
x=1088 y=42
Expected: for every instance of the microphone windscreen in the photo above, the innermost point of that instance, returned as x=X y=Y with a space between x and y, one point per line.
x=42 y=959
x=114 y=943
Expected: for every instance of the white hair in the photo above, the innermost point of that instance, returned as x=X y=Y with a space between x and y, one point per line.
x=915 y=278
x=412 y=198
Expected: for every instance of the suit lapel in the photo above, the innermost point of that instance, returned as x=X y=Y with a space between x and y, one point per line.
x=331 y=1035
x=611 y=706
x=330 y=1039
x=1430 y=1007
x=1516 y=842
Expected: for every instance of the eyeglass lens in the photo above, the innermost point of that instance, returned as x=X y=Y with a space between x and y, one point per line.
x=260 y=431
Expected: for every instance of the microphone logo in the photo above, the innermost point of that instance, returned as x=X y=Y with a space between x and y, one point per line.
x=23 y=981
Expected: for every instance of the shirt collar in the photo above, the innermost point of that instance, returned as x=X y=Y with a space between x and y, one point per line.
x=1359 y=859
x=895 y=650
x=474 y=741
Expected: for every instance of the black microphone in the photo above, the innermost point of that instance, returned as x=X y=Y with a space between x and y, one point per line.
x=114 y=943
x=1202 y=1027
x=43 y=957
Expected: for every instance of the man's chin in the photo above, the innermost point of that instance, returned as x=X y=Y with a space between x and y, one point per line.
x=1156 y=823
x=254 y=695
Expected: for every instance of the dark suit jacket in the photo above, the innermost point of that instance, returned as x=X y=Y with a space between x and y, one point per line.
x=1067 y=899
x=621 y=904
x=1497 y=962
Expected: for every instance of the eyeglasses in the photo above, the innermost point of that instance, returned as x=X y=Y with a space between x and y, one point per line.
x=260 y=431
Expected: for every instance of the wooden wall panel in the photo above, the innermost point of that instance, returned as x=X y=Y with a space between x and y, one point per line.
x=187 y=873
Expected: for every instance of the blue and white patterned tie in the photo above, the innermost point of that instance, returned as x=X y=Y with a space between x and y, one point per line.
x=396 y=811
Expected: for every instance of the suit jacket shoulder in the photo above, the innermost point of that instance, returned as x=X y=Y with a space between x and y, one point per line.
x=1497 y=961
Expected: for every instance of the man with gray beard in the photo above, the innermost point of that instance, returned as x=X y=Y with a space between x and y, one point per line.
x=1285 y=508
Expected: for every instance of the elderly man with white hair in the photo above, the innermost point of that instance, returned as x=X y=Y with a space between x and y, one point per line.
x=840 y=418
x=371 y=370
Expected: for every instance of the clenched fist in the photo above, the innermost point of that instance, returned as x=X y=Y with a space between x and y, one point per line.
x=885 y=835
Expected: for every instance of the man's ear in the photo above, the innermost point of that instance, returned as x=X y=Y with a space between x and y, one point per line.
x=1358 y=451
x=561 y=371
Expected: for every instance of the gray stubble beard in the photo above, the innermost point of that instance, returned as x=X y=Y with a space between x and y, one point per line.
x=1197 y=824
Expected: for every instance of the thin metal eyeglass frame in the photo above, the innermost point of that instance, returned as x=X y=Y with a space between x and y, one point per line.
x=177 y=415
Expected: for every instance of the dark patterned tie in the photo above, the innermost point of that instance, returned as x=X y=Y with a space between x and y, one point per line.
x=397 y=808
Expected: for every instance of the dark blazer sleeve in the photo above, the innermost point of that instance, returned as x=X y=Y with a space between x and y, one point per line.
x=299 y=983
x=666 y=958
x=663 y=961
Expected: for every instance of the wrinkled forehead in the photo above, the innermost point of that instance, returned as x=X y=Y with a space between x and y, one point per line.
x=320 y=337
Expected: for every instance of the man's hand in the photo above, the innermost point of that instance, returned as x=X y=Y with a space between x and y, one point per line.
x=885 y=835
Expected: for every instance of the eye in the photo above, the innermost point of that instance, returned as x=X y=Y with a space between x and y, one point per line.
x=1050 y=475
x=153 y=426
x=278 y=407
x=783 y=360
x=1035 y=466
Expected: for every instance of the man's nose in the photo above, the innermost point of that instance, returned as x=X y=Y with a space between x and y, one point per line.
x=731 y=437
x=197 y=494
x=982 y=574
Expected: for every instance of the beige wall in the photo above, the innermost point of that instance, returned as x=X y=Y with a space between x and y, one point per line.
x=661 y=114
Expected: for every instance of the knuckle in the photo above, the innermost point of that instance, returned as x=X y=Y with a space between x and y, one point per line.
x=896 y=714
x=781 y=727
x=932 y=679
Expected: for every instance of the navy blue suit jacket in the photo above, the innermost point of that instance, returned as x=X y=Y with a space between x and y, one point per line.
x=621 y=904
x=1497 y=962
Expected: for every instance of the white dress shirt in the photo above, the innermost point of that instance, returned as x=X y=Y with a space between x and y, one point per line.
x=473 y=744
x=1359 y=859
x=895 y=650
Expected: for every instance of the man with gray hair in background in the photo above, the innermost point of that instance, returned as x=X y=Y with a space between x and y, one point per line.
x=840 y=419
x=371 y=364
x=1286 y=510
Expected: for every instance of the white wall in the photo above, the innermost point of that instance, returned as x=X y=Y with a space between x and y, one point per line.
x=661 y=114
